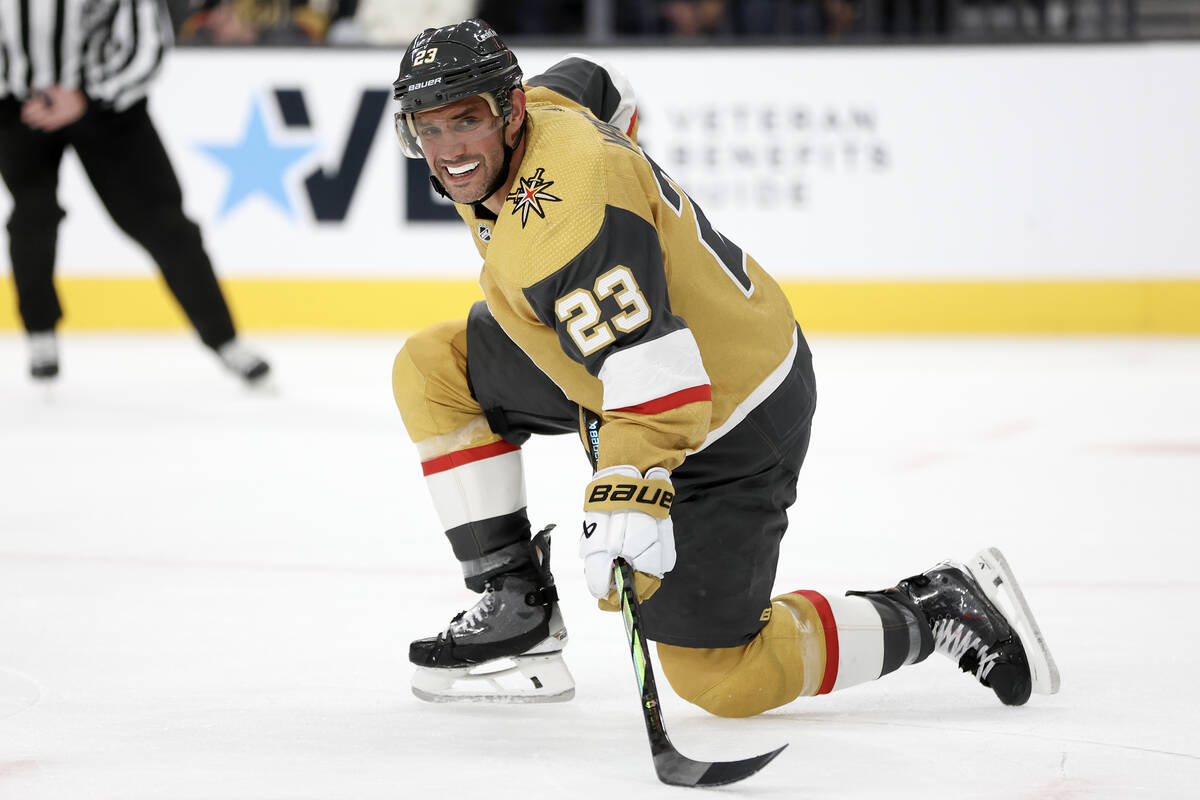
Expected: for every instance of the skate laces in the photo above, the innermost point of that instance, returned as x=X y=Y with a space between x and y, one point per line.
x=471 y=617
x=954 y=639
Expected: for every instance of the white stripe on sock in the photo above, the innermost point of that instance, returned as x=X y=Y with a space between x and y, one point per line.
x=860 y=640
x=479 y=490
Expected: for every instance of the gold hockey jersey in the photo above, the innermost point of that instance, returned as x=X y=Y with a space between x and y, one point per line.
x=619 y=288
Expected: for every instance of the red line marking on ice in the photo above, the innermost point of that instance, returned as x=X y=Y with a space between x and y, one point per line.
x=1155 y=448
x=1008 y=430
x=10 y=768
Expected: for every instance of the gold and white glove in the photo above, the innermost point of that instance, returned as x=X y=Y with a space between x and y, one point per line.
x=627 y=515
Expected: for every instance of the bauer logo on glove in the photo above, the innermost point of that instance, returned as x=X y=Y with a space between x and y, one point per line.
x=627 y=515
x=653 y=497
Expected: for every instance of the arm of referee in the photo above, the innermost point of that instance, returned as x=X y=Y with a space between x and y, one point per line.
x=119 y=75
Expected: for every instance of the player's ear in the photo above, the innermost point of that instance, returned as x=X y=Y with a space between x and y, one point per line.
x=517 y=118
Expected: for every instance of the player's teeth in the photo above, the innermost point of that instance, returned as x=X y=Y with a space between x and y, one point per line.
x=462 y=169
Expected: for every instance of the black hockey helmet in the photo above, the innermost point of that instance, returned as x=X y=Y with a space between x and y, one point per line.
x=444 y=65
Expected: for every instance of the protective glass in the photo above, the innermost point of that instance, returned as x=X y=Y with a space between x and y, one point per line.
x=415 y=136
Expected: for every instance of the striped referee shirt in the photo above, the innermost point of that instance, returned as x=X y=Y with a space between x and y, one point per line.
x=110 y=49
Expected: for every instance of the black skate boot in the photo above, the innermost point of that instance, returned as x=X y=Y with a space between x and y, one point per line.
x=507 y=648
x=978 y=617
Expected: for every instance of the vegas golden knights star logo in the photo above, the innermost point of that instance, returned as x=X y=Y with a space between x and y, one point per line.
x=530 y=195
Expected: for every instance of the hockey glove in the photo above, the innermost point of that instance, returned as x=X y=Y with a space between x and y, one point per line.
x=627 y=515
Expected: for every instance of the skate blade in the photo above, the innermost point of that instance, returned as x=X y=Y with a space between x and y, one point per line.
x=524 y=679
x=990 y=568
x=266 y=386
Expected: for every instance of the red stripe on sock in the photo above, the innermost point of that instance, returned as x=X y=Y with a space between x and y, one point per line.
x=695 y=394
x=461 y=457
x=831 y=638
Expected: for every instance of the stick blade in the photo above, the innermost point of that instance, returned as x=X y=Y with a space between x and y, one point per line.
x=679 y=770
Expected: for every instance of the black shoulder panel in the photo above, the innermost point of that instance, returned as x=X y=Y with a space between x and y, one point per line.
x=583 y=81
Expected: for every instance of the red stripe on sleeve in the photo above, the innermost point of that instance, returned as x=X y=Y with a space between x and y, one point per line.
x=831 y=638
x=632 y=122
x=696 y=394
x=461 y=457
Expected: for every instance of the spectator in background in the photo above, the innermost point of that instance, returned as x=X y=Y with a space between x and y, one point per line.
x=912 y=18
x=840 y=16
x=775 y=17
x=693 y=17
x=534 y=17
x=757 y=18
x=271 y=22
x=180 y=10
x=392 y=22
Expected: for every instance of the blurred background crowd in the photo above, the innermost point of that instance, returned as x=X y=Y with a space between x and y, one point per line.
x=395 y=22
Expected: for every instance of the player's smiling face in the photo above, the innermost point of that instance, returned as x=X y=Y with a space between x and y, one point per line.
x=462 y=146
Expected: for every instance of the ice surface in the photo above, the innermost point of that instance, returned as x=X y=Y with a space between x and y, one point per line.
x=208 y=593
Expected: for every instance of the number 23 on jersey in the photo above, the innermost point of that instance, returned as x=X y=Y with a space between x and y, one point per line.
x=580 y=309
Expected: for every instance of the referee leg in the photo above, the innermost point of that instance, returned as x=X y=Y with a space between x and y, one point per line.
x=127 y=164
x=29 y=162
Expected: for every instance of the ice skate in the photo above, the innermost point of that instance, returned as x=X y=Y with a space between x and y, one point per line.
x=244 y=363
x=43 y=355
x=507 y=648
x=979 y=619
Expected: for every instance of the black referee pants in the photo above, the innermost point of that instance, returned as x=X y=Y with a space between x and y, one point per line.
x=126 y=163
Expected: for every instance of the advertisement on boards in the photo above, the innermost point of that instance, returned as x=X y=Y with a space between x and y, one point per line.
x=827 y=164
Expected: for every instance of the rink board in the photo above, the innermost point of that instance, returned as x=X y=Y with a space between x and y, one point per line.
x=1145 y=307
x=984 y=189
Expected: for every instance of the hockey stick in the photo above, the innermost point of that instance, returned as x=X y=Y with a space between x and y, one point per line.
x=672 y=767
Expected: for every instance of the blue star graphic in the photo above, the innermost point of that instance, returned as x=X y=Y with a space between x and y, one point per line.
x=256 y=165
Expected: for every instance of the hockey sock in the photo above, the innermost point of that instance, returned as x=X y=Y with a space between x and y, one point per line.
x=907 y=633
x=479 y=494
x=812 y=644
x=867 y=635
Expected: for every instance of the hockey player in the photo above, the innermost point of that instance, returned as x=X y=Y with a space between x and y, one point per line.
x=615 y=310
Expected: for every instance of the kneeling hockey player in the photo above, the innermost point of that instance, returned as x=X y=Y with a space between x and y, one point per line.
x=616 y=311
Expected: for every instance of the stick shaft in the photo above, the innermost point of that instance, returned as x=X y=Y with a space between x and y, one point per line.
x=639 y=651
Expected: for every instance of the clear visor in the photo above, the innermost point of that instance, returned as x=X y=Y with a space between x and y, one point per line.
x=417 y=135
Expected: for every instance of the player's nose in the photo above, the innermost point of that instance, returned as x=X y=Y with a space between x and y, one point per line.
x=453 y=151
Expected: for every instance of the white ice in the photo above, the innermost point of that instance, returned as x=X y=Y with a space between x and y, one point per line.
x=207 y=593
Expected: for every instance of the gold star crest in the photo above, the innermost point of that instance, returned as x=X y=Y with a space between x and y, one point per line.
x=530 y=195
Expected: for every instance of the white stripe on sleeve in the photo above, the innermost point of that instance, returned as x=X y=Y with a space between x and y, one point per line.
x=18 y=64
x=72 y=47
x=41 y=44
x=127 y=84
x=652 y=369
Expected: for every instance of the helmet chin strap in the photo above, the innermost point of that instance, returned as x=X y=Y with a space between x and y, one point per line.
x=502 y=175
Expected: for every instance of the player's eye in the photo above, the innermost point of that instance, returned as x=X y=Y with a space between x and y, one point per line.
x=429 y=132
x=467 y=124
